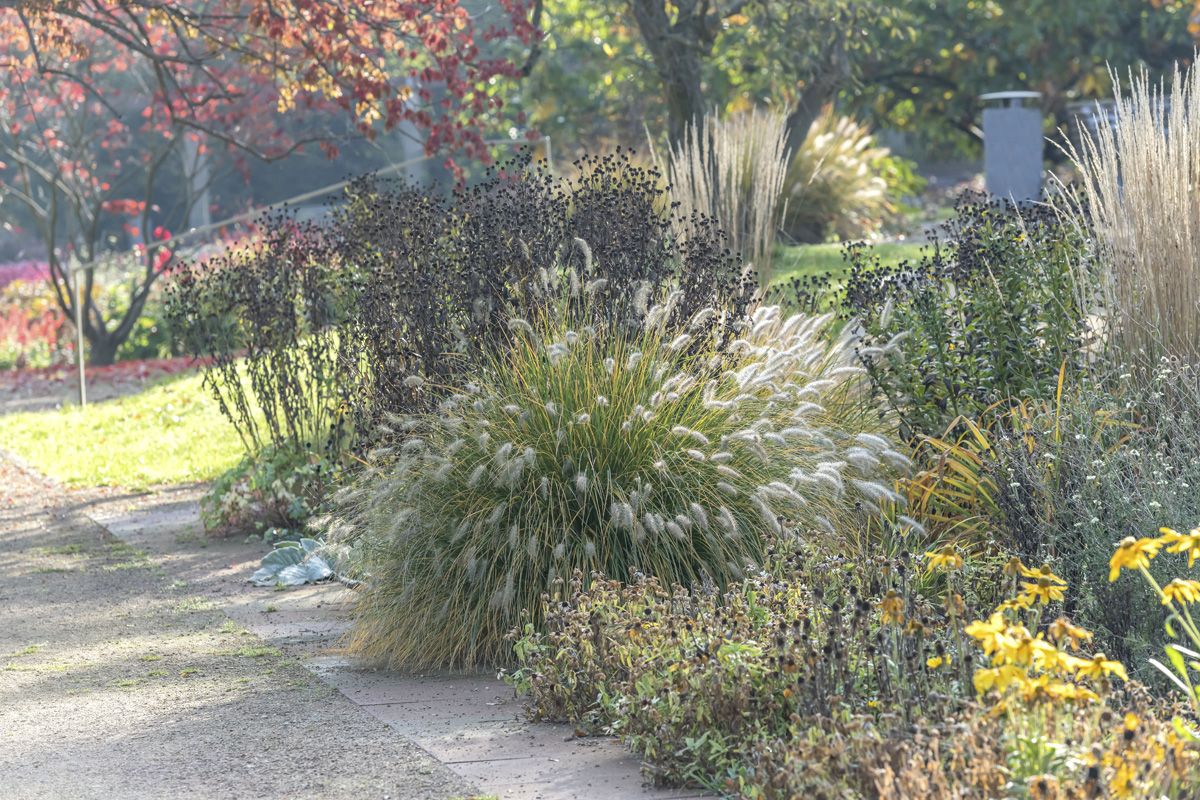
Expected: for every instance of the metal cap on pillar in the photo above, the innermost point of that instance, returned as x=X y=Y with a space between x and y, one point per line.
x=1013 y=145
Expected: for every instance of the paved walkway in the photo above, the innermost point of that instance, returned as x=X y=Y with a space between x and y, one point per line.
x=119 y=680
x=466 y=730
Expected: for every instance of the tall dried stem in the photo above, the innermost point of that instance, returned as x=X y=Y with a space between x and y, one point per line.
x=1139 y=200
x=734 y=170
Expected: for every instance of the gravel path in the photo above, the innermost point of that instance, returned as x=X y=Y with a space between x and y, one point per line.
x=117 y=681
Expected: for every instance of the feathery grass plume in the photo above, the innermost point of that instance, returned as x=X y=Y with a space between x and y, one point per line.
x=684 y=489
x=841 y=182
x=1138 y=201
x=733 y=170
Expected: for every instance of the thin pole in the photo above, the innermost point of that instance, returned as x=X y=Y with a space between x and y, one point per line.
x=79 y=339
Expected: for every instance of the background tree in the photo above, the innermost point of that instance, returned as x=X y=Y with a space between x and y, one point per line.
x=929 y=83
x=912 y=65
x=100 y=97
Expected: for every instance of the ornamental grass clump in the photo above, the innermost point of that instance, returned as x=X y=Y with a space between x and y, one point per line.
x=1139 y=205
x=587 y=447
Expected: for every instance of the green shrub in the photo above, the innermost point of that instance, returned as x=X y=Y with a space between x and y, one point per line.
x=989 y=314
x=274 y=493
x=825 y=677
x=593 y=448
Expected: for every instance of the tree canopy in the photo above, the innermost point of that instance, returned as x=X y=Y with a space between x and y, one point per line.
x=913 y=65
x=105 y=101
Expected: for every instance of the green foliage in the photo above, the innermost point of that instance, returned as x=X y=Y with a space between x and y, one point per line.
x=171 y=432
x=915 y=67
x=939 y=57
x=152 y=335
x=988 y=315
x=273 y=493
x=809 y=276
x=613 y=449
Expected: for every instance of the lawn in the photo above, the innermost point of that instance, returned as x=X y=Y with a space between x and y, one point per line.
x=816 y=259
x=172 y=432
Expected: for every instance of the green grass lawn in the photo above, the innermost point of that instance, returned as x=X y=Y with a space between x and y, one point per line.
x=171 y=432
x=816 y=259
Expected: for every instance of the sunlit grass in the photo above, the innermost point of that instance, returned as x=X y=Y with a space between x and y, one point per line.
x=817 y=259
x=171 y=432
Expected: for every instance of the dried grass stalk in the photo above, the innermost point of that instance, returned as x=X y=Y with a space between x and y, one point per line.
x=1139 y=200
x=734 y=170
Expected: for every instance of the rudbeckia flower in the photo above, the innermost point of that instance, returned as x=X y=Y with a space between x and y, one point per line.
x=1181 y=590
x=1182 y=543
x=1101 y=667
x=1132 y=554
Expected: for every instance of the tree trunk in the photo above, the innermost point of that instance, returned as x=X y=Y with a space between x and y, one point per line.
x=677 y=49
x=816 y=96
x=685 y=104
x=102 y=350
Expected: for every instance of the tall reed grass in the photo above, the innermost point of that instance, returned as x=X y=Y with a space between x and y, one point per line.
x=1139 y=199
x=733 y=170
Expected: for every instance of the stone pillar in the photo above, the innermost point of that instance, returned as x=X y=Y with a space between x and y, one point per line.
x=1013 y=145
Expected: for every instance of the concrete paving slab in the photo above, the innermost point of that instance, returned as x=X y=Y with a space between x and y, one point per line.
x=472 y=723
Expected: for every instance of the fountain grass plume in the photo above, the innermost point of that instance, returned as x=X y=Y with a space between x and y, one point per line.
x=610 y=450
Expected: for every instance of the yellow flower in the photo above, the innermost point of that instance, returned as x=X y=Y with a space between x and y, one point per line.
x=1043 y=591
x=892 y=606
x=1019 y=647
x=1062 y=628
x=1122 y=779
x=946 y=558
x=998 y=678
x=990 y=634
x=1182 y=543
x=1132 y=554
x=1042 y=572
x=1018 y=603
x=1059 y=690
x=937 y=661
x=1101 y=667
x=1181 y=590
x=1131 y=721
x=1061 y=662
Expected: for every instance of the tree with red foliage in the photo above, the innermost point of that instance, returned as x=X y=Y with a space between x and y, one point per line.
x=101 y=98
